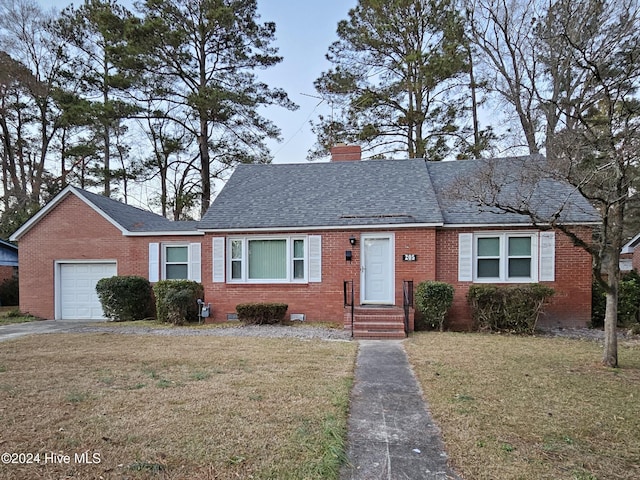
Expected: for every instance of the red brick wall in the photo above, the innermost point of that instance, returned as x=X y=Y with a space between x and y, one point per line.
x=74 y=231
x=636 y=259
x=571 y=305
x=324 y=301
x=7 y=272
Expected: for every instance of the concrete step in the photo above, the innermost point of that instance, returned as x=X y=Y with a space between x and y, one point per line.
x=367 y=335
x=376 y=322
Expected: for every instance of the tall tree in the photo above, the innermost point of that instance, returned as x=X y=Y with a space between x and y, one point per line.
x=393 y=88
x=207 y=51
x=96 y=34
x=502 y=31
x=595 y=142
x=598 y=140
x=30 y=74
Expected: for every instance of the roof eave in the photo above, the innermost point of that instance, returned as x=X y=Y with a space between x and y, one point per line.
x=164 y=233
x=29 y=224
x=511 y=225
x=316 y=228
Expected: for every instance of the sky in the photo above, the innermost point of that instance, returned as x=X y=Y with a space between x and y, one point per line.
x=304 y=31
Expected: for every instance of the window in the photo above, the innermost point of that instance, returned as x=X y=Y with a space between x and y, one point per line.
x=268 y=259
x=174 y=261
x=176 y=264
x=505 y=257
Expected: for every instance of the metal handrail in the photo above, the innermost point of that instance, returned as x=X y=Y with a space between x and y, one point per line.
x=349 y=299
x=407 y=301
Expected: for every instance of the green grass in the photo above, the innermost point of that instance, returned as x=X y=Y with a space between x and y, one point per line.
x=12 y=315
x=529 y=408
x=176 y=407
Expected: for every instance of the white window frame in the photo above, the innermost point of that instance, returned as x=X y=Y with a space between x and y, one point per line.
x=503 y=269
x=192 y=263
x=243 y=260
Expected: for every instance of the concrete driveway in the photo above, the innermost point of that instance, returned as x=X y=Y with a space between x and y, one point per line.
x=16 y=330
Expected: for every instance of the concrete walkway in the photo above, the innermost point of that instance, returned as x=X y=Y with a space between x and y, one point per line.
x=391 y=434
x=16 y=330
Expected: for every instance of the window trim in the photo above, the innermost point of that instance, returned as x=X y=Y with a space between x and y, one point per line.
x=244 y=264
x=191 y=274
x=503 y=267
x=166 y=263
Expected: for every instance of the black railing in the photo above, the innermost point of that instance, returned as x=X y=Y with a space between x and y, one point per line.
x=348 y=299
x=407 y=301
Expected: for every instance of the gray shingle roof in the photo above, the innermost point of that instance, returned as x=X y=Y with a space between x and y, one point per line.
x=374 y=192
x=135 y=219
x=378 y=192
x=518 y=183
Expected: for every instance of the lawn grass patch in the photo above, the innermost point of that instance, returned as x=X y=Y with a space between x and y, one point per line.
x=11 y=315
x=155 y=324
x=176 y=407
x=531 y=407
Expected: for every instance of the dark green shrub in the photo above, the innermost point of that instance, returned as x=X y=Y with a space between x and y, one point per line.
x=598 y=305
x=9 y=292
x=508 y=308
x=628 y=301
x=125 y=298
x=261 y=313
x=433 y=300
x=177 y=300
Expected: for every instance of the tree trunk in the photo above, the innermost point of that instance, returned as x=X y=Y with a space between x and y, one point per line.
x=610 y=352
x=474 y=106
x=205 y=168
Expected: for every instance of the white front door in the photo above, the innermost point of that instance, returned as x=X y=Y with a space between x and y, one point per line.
x=378 y=269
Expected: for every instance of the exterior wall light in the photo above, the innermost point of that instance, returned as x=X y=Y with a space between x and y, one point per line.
x=352 y=240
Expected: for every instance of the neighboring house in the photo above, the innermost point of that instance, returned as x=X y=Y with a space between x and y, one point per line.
x=8 y=261
x=307 y=235
x=630 y=255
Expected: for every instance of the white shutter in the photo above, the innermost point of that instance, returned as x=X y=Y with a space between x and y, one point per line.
x=547 y=256
x=195 y=265
x=315 y=258
x=465 y=257
x=154 y=262
x=218 y=259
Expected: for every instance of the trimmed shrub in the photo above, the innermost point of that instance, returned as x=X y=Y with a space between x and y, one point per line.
x=9 y=292
x=628 y=302
x=177 y=300
x=261 y=313
x=510 y=308
x=433 y=300
x=125 y=298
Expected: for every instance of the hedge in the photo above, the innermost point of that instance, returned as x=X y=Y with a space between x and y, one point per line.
x=433 y=300
x=125 y=298
x=508 y=308
x=261 y=313
x=177 y=301
x=628 y=302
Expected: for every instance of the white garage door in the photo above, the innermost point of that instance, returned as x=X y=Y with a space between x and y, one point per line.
x=78 y=297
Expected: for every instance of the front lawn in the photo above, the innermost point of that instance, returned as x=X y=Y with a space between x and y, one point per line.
x=531 y=407
x=174 y=407
x=11 y=315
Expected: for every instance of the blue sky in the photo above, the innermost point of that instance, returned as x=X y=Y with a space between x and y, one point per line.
x=304 y=31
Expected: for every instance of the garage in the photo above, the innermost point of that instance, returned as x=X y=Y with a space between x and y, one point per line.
x=77 y=298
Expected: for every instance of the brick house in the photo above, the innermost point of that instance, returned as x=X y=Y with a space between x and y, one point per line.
x=310 y=234
x=8 y=261
x=630 y=255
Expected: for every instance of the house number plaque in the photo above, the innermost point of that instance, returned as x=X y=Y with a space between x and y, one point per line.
x=409 y=257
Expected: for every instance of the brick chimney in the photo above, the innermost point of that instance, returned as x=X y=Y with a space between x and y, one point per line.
x=346 y=153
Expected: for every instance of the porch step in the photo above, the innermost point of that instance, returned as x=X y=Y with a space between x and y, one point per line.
x=376 y=322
